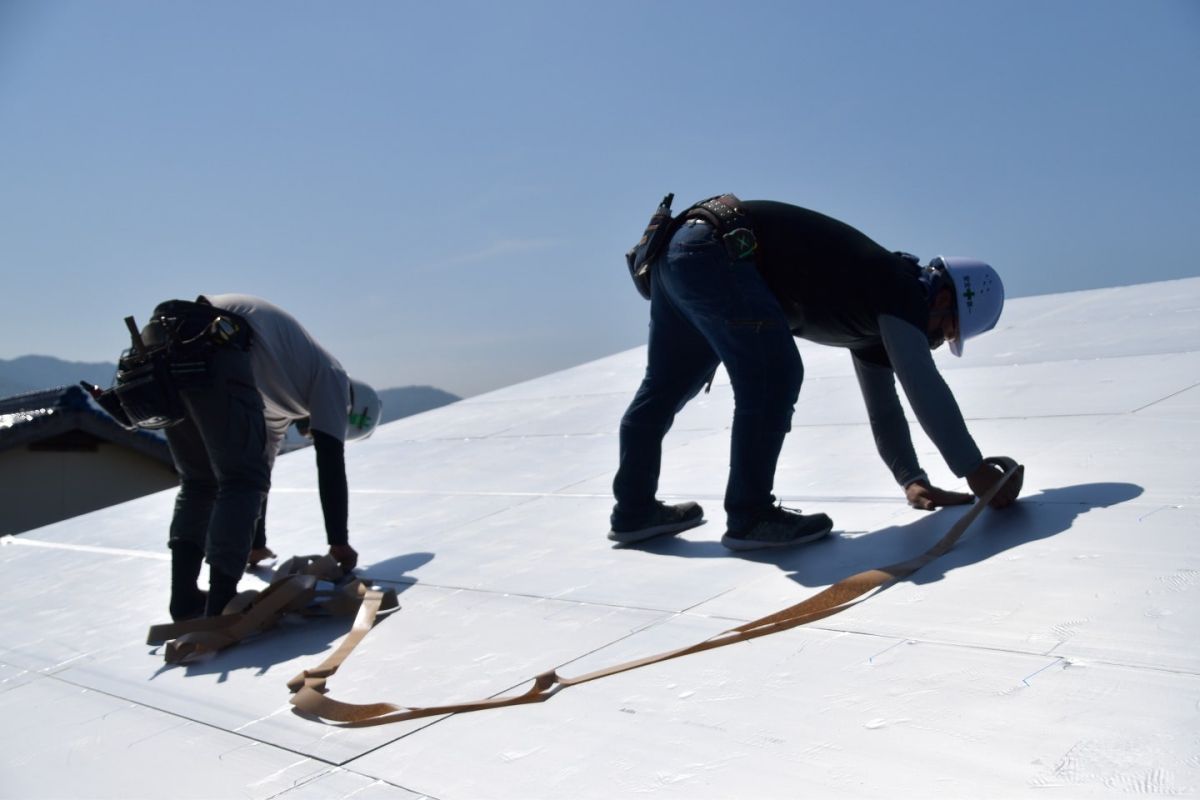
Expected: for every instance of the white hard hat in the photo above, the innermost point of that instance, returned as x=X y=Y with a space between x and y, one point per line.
x=365 y=408
x=978 y=295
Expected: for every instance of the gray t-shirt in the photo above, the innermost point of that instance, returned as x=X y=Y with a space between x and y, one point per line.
x=296 y=377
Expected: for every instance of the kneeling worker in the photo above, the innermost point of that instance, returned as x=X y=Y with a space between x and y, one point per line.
x=235 y=371
x=732 y=282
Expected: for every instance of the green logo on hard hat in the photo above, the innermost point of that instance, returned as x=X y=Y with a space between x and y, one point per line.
x=361 y=421
x=968 y=292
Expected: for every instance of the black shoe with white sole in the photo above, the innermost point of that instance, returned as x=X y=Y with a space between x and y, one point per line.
x=662 y=520
x=779 y=527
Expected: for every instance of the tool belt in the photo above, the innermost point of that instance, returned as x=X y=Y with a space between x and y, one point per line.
x=172 y=353
x=723 y=212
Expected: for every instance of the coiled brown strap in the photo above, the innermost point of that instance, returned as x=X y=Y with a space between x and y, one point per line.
x=295 y=588
x=310 y=686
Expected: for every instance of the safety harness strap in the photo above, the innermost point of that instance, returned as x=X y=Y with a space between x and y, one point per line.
x=310 y=686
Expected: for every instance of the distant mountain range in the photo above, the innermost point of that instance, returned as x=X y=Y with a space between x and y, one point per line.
x=404 y=401
x=31 y=373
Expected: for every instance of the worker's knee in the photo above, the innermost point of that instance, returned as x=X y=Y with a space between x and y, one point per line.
x=791 y=376
x=197 y=490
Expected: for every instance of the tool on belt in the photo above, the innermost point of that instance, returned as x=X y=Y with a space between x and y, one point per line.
x=311 y=690
x=723 y=212
x=170 y=354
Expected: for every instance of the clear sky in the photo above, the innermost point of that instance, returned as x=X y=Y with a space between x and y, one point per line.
x=442 y=192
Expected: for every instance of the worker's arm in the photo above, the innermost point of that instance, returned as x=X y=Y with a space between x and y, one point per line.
x=890 y=428
x=927 y=393
x=335 y=496
x=892 y=439
x=937 y=411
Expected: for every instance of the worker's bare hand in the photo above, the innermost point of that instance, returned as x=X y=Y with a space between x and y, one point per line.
x=345 y=555
x=921 y=494
x=987 y=475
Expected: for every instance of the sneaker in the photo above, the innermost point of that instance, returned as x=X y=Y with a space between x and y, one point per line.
x=779 y=527
x=663 y=519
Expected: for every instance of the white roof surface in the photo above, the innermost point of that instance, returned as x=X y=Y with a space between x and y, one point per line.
x=1056 y=647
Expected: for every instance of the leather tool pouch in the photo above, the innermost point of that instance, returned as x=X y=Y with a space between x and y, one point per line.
x=146 y=388
x=172 y=354
x=642 y=255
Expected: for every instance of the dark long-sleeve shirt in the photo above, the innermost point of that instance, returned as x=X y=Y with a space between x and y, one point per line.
x=839 y=287
x=331 y=483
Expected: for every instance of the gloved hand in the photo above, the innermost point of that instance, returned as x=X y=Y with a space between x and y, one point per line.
x=921 y=494
x=986 y=475
x=345 y=555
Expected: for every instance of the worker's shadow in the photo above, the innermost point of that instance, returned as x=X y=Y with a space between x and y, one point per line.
x=296 y=636
x=1038 y=516
x=846 y=553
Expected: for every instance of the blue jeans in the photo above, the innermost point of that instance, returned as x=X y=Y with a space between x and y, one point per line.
x=706 y=309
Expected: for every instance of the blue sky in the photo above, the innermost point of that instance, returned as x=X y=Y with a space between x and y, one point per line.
x=443 y=192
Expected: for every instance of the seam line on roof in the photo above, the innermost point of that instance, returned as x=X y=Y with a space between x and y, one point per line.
x=889 y=500
x=1049 y=654
x=250 y=740
x=83 y=548
x=668 y=614
x=1164 y=399
x=415 y=582
x=796 y=425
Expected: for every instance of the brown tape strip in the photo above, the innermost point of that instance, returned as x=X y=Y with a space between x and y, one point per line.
x=309 y=686
x=373 y=601
x=293 y=589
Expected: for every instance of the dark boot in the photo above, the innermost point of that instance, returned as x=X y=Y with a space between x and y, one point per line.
x=221 y=589
x=187 y=601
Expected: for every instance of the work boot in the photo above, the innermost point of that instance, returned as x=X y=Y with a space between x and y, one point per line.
x=778 y=527
x=187 y=604
x=221 y=589
x=661 y=519
x=187 y=601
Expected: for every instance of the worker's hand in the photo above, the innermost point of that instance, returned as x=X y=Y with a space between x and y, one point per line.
x=926 y=497
x=985 y=476
x=345 y=555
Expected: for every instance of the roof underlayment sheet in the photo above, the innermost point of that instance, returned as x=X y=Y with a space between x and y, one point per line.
x=1055 y=647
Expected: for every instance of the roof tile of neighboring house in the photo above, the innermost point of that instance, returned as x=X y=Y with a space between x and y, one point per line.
x=35 y=416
